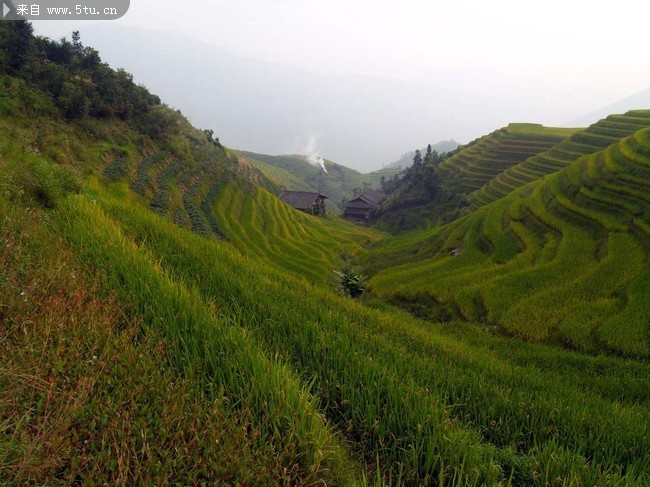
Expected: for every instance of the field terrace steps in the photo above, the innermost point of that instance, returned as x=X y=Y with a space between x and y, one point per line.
x=563 y=260
x=597 y=137
x=482 y=160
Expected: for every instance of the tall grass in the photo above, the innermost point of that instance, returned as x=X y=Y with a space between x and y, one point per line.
x=429 y=406
x=210 y=349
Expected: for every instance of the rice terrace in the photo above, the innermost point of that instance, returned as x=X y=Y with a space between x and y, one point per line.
x=166 y=318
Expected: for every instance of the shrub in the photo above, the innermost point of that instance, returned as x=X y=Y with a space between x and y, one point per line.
x=353 y=284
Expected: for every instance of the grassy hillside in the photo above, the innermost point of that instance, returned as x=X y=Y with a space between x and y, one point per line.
x=486 y=158
x=86 y=391
x=220 y=195
x=438 y=404
x=164 y=319
x=259 y=224
x=562 y=260
x=596 y=137
x=338 y=184
x=453 y=399
x=282 y=177
x=440 y=190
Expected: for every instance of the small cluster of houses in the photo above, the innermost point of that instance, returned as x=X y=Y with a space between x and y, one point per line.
x=357 y=209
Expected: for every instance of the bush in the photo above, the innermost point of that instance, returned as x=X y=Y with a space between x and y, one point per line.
x=353 y=284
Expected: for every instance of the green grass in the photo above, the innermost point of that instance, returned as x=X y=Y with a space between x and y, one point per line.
x=223 y=355
x=486 y=158
x=434 y=404
x=260 y=224
x=597 y=137
x=561 y=260
x=87 y=394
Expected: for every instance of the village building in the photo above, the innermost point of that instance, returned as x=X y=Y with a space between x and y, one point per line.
x=307 y=201
x=359 y=207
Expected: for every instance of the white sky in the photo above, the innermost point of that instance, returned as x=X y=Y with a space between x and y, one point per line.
x=605 y=40
x=602 y=44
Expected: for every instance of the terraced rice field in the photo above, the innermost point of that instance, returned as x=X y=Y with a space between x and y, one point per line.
x=389 y=397
x=489 y=156
x=563 y=260
x=259 y=224
x=203 y=195
x=596 y=137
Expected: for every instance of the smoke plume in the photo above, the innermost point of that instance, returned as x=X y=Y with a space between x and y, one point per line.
x=312 y=156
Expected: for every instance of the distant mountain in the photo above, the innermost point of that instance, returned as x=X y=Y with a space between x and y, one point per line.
x=276 y=109
x=637 y=101
x=295 y=172
x=407 y=158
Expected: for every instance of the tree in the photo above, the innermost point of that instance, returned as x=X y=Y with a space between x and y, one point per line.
x=76 y=43
x=74 y=101
x=429 y=155
x=17 y=42
x=417 y=161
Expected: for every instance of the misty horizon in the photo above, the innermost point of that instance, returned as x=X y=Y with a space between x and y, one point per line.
x=264 y=82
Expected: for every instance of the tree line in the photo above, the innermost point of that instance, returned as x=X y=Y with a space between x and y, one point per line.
x=78 y=82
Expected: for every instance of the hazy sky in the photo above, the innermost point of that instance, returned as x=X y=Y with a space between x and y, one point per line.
x=558 y=59
x=569 y=40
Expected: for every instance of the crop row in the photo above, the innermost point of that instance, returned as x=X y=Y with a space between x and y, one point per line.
x=428 y=406
x=523 y=260
x=595 y=138
x=478 y=164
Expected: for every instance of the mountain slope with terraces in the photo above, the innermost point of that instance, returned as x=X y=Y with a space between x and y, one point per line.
x=596 y=137
x=485 y=158
x=563 y=260
x=164 y=319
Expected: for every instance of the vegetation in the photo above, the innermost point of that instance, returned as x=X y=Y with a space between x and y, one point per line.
x=352 y=284
x=86 y=392
x=438 y=188
x=583 y=142
x=294 y=172
x=484 y=159
x=418 y=197
x=165 y=319
x=562 y=260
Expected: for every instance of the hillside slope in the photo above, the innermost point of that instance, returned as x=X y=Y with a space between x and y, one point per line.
x=137 y=351
x=339 y=182
x=484 y=159
x=562 y=260
x=594 y=138
x=439 y=190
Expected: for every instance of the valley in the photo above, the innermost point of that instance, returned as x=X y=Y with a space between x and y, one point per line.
x=166 y=319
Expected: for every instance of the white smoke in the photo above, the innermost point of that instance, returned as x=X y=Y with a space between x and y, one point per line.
x=312 y=156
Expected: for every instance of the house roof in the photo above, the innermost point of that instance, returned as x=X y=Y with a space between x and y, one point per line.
x=357 y=203
x=301 y=200
x=370 y=196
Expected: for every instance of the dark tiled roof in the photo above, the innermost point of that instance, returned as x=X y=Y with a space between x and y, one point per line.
x=300 y=200
x=359 y=204
x=370 y=196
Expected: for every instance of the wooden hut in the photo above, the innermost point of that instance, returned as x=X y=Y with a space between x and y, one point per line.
x=307 y=201
x=359 y=207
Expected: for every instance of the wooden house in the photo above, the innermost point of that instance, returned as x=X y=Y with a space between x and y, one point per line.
x=307 y=201
x=359 y=207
